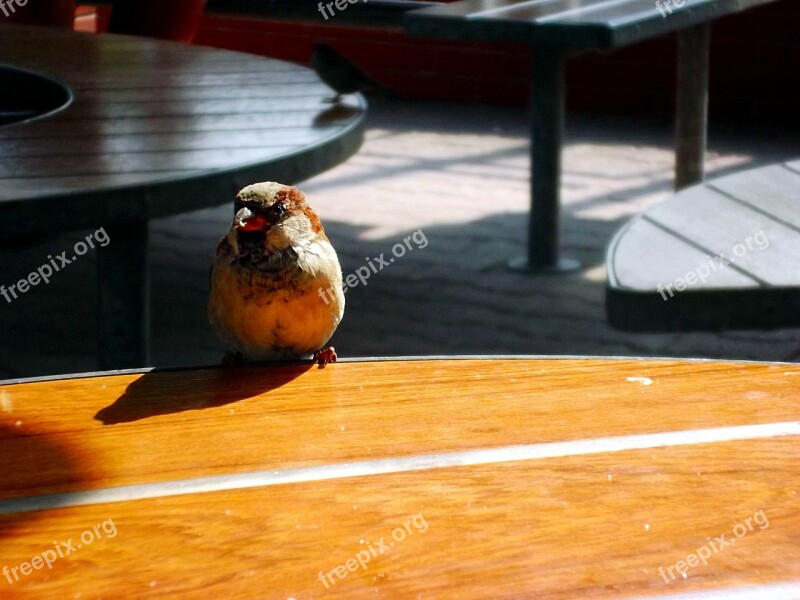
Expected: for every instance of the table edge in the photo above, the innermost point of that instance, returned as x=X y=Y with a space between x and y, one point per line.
x=94 y=207
x=410 y=358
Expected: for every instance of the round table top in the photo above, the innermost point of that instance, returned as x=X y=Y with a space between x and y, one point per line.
x=157 y=128
x=555 y=478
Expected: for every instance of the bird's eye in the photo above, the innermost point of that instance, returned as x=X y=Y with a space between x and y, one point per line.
x=276 y=212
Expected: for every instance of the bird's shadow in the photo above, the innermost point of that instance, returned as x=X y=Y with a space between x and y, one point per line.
x=162 y=392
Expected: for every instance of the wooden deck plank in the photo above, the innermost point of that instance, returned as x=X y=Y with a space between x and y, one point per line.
x=645 y=256
x=183 y=65
x=78 y=432
x=102 y=129
x=232 y=106
x=598 y=526
x=137 y=162
x=116 y=82
x=167 y=142
x=602 y=12
x=148 y=95
x=722 y=228
x=773 y=190
x=22 y=188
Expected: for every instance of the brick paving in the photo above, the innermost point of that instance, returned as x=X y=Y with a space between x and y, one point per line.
x=460 y=175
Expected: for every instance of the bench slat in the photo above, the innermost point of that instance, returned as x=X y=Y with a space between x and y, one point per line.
x=594 y=12
x=637 y=260
x=760 y=287
x=719 y=225
x=773 y=190
x=573 y=23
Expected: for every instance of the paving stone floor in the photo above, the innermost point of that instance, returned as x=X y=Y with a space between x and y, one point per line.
x=457 y=175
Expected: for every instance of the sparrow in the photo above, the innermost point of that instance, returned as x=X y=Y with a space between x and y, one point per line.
x=339 y=73
x=276 y=282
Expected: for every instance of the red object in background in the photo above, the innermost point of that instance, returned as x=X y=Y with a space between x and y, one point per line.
x=176 y=20
x=752 y=64
x=56 y=13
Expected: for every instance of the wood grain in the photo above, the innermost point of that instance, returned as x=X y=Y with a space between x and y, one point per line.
x=588 y=525
x=293 y=416
x=772 y=189
x=577 y=527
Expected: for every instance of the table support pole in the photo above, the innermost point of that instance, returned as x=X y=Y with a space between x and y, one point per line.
x=691 y=128
x=547 y=127
x=124 y=308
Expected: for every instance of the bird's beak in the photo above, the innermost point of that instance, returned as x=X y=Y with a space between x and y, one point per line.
x=247 y=220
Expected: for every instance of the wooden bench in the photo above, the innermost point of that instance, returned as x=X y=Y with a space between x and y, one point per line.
x=725 y=254
x=557 y=29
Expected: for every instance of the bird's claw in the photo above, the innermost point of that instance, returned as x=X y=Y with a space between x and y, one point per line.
x=324 y=356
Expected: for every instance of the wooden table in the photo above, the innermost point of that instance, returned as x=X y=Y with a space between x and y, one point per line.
x=720 y=255
x=154 y=129
x=557 y=29
x=456 y=478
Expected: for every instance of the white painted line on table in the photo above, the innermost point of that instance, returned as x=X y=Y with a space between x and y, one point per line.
x=403 y=464
x=774 y=591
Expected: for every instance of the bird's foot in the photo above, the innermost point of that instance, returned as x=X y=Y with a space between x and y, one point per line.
x=232 y=359
x=333 y=99
x=324 y=356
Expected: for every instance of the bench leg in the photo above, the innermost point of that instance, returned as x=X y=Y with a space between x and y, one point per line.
x=692 y=105
x=123 y=324
x=547 y=127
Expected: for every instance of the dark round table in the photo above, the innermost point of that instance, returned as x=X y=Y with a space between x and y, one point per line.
x=140 y=128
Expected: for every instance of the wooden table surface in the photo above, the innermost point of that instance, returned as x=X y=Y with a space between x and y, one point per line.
x=720 y=255
x=158 y=128
x=448 y=478
x=153 y=129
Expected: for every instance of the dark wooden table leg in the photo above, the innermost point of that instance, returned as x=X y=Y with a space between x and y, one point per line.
x=123 y=324
x=547 y=127
x=691 y=129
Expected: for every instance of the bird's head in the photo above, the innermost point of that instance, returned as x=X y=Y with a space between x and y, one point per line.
x=269 y=218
